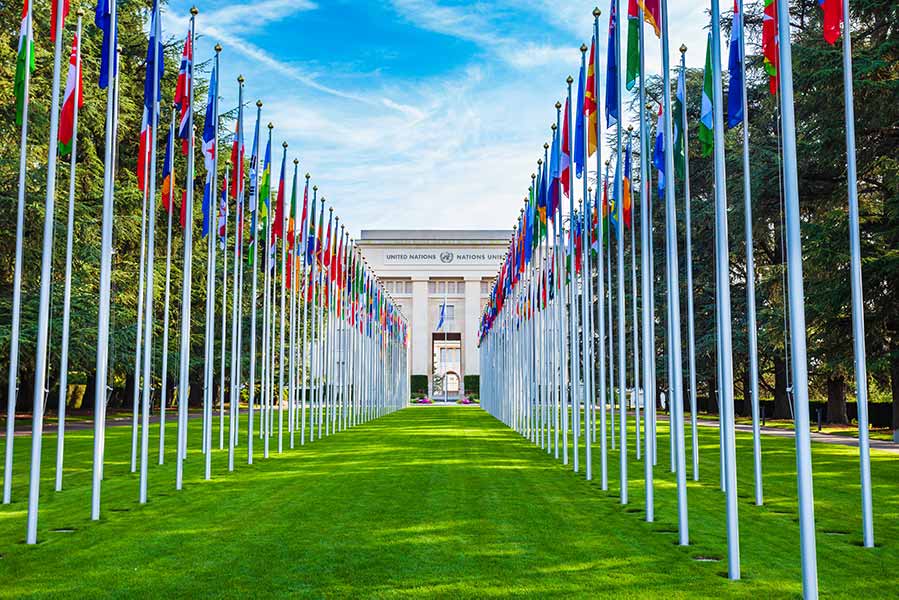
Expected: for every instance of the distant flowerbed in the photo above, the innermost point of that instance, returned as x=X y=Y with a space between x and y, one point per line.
x=425 y=400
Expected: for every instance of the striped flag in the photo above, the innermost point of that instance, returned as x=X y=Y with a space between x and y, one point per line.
x=54 y=8
x=183 y=93
x=24 y=61
x=154 y=67
x=74 y=96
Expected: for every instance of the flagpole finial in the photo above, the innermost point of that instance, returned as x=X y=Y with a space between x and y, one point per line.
x=284 y=145
x=596 y=12
x=259 y=104
x=218 y=48
x=553 y=126
x=533 y=177
x=589 y=190
x=630 y=128
x=296 y=161
x=194 y=10
x=308 y=176
x=649 y=106
x=315 y=189
x=683 y=48
x=569 y=80
x=545 y=147
x=240 y=79
x=270 y=126
x=559 y=104
x=539 y=162
x=80 y=12
x=583 y=48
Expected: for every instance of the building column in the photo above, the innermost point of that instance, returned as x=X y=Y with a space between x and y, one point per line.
x=421 y=346
x=470 y=363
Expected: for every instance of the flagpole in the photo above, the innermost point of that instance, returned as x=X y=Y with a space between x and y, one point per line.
x=293 y=309
x=43 y=322
x=151 y=255
x=254 y=300
x=234 y=396
x=858 y=310
x=183 y=379
x=67 y=301
x=636 y=322
x=282 y=309
x=797 y=309
x=221 y=394
x=100 y=387
x=573 y=364
x=691 y=339
x=168 y=279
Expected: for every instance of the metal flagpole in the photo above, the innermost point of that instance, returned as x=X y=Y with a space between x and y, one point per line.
x=635 y=321
x=723 y=257
x=67 y=301
x=304 y=329
x=254 y=186
x=573 y=367
x=151 y=255
x=43 y=321
x=293 y=308
x=676 y=382
x=283 y=287
x=600 y=283
x=797 y=309
x=234 y=396
x=264 y=409
x=858 y=311
x=135 y=397
x=105 y=277
x=224 y=328
x=163 y=396
x=184 y=374
x=13 y=381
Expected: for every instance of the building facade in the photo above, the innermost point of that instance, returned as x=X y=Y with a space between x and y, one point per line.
x=432 y=274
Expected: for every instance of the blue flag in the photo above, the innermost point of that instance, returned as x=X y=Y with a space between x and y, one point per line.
x=104 y=21
x=658 y=153
x=735 y=68
x=554 y=174
x=580 y=149
x=154 y=59
x=612 y=69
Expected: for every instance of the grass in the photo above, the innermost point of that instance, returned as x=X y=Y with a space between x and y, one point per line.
x=884 y=434
x=435 y=502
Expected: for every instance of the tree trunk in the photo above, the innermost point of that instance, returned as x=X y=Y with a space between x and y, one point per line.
x=836 y=399
x=781 y=401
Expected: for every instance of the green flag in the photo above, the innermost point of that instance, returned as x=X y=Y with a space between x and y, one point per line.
x=680 y=130
x=706 y=137
x=632 y=71
x=24 y=62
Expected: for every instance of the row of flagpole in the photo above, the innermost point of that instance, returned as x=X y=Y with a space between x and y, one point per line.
x=537 y=363
x=345 y=359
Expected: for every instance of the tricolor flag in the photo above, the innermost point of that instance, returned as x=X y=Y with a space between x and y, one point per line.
x=590 y=106
x=735 y=69
x=184 y=93
x=612 y=69
x=553 y=200
x=24 y=60
x=626 y=185
x=210 y=127
x=769 y=44
x=291 y=215
x=305 y=208
x=832 y=19
x=168 y=191
x=73 y=90
x=237 y=159
x=565 y=165
x=326 y=252
x=541 y=197
x=580 y=154
x=706 y=117
x=154 y=68
x=103 y=20
x=278 y=225
x=614 y=204
x=54 y=7
x=652 y=14
x=265 y=187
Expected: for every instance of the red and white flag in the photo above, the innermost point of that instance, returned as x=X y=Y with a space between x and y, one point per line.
x=73 y=83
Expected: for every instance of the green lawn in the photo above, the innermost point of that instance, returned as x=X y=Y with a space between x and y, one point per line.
x=435 y=501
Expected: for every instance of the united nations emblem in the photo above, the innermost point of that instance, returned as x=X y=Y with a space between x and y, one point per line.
x=446 y=257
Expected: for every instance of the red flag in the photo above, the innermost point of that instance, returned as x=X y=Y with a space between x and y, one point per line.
x=237 y=156
x=769 y=44
x=566 y=156
x=590 y=107
x=53 y=16
x=67 y=118
x=832 y=19
x=183 y=93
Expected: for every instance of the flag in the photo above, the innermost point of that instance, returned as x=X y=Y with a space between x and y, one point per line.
x=209 y=139
x=326 y=249
x=590 y=100
x=626 y=184
x=24 y=61
x=605 y=206
x=223 y=216
x=303 y=216
x=580 y=154
x=652 y=14
x=168 y=191
x=291 y=215
x=706 y=117
x=832 y=19
x=612 y=69
x=553 y=199
x=237 y=159
x=154 y=68
x=67 y=117
x=184 y=92
x=680 y=130
x=442 y=315
x=254 y=167
x=735 y=69
x=54 y=7
x=103 y=21
x=769 y=44
x=614 y=204
x=265 y=187
x=632 y=70
x=565 y=166
x=658 y=153
x=278 y=225
x=541 y=197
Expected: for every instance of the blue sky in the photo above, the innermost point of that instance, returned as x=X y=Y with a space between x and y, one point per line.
x=412 y=113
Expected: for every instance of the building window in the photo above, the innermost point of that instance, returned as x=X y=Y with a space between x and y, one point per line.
x=450 y=312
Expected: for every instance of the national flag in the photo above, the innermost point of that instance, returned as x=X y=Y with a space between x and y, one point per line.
x=614 y=204
x=67 y=117
x=326 y=249
x=154 y=68
x=652 y=14
x=580 y=151
x=590 y=106
x=658 y=153
x=254 y=168
x=612 y=69
x=832 y=19
x=237 y=160
x=54 y=8
x=291 y=214
x=735 y=69
x=103 y=21
x=210 y=128
x=303 y=217
x=632 y=70
x=680 y=130
x=168 y=191
x=565 y=165
x=626 y=184
x=706 y=116
x=310 y=233
x=24 y=61
x=605 y=206
x=184 y=92
x=265 y=187
x=278 y=225
x=770 y=44
x=541 y=197
x=553 y=200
